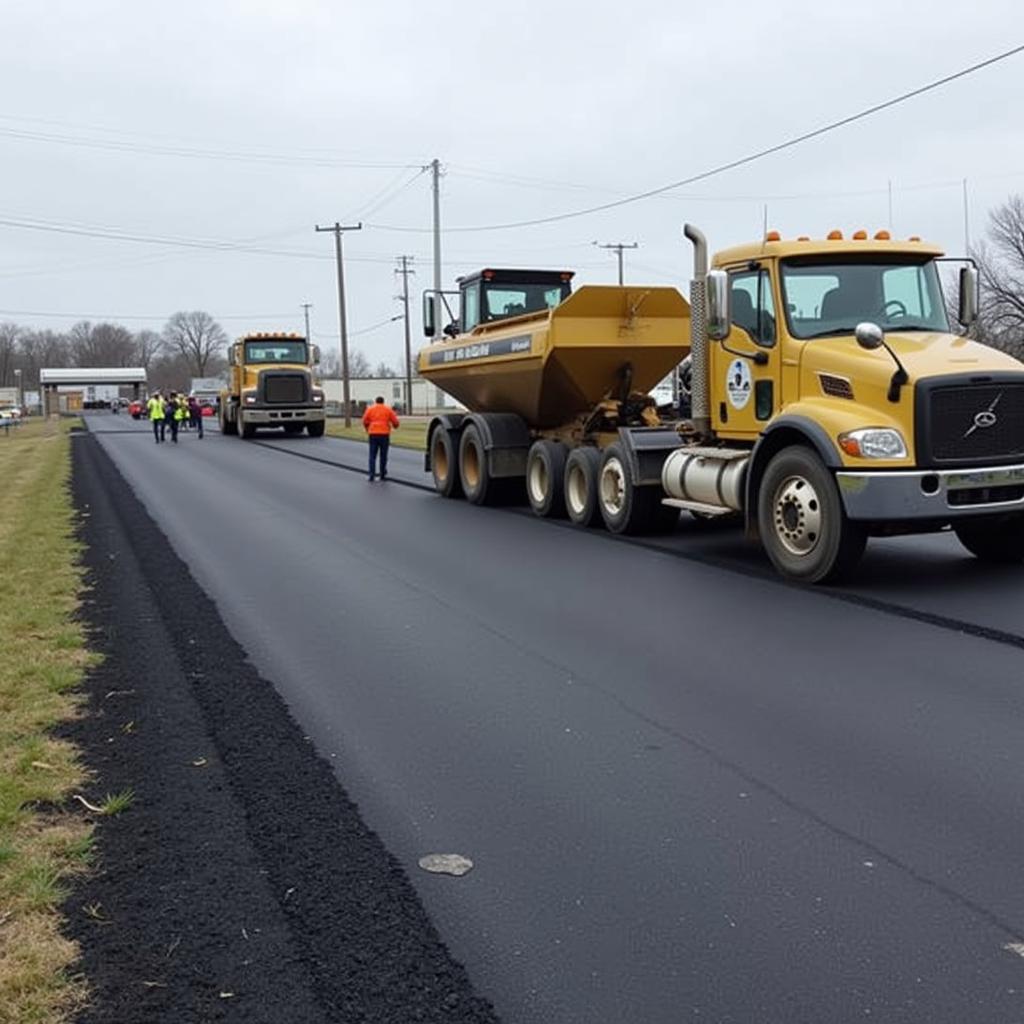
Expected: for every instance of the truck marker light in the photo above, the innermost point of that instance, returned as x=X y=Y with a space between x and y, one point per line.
x=803 y=238
x=882 y=236
x=860 y=236
x=914 y=238
x=773 y=236
x=835 y=235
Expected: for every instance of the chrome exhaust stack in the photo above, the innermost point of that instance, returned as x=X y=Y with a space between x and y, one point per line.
x=700 y=407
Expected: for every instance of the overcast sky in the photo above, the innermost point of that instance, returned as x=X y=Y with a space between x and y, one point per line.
x=249 y=122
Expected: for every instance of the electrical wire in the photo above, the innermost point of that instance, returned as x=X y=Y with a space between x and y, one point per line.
x=731 y=164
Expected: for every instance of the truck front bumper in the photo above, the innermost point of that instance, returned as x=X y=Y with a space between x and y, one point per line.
x=931 y=494
x=261 y=415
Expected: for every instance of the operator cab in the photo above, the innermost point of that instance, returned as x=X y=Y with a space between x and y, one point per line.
x=490 y=295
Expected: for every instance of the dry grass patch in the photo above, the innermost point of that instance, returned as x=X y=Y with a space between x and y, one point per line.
x=42 y=659
x=411 y=434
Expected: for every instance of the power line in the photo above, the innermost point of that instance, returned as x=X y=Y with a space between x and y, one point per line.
x=267 y=157
x=740 y=161
x=135 y=316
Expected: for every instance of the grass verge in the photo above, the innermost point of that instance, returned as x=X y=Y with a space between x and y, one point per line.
x=411 y=434
x=42 y=660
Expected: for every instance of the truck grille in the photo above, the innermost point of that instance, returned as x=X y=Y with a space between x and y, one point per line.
x=284 y=388
x=971 y=423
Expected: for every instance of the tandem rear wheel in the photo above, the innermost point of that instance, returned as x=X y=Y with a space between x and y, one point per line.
x=444 y=462
x=626 y=506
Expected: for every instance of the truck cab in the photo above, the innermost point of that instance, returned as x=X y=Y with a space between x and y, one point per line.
x=272 y=384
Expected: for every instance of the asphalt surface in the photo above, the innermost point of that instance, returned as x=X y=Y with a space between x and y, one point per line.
x=690 y=791
x=241 y=885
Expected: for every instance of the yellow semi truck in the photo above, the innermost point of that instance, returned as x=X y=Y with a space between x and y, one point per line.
x=272 y=384
x=831 y=401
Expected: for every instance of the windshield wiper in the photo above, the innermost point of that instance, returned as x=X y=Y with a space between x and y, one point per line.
x=825 y=334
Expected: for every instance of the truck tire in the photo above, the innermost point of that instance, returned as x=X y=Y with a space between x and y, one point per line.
x=474 y=472
x=999 y=539
x=315 y=429
x=625 y=507
x=444 y=463
x=245 y=430
x=801 y=520
x=545 y=479
x=582 y=468
x=227 y=427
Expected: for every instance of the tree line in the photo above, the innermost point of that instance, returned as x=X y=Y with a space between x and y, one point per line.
x=191 y=344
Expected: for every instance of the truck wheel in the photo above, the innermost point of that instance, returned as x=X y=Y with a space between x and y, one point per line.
x=801 y=520
x=582 y=468
x=245 y=430
x=444 y=463
x=1000 y=539
x=625 y=507
x=227 y=427
x=474 y=473
x=315 y=429
x=545 y=478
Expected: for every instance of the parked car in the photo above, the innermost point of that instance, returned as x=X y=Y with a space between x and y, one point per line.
x=136 y=408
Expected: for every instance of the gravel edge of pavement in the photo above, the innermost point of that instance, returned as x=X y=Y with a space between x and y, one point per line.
x=241 y=884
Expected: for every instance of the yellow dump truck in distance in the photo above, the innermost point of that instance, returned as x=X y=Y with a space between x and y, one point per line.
x=831 y=402
x=272 y=384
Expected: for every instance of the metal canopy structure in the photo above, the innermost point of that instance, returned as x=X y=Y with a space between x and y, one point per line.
x=120 y=376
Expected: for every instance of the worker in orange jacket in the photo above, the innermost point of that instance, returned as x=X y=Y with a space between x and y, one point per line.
x=378 y=421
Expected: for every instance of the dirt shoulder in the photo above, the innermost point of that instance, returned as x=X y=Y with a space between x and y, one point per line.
x=241 y=883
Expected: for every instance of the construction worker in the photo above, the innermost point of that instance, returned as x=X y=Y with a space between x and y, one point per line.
x=172 y=415
x=378 y=421
x=155 y=412
x=195 y=414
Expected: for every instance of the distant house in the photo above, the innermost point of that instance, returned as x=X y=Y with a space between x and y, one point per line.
x=426 y=397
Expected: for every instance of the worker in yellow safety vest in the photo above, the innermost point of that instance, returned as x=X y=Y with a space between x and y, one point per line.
x=157 y=415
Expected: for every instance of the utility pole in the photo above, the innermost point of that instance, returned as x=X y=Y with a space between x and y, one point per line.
x=305 y=311
x=405 y=270
x=339 y=230
x=618 y=247
x=435 y=170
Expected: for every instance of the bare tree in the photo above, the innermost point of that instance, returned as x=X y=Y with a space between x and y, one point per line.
x=1000 y=262
x=358 y=364
x=10 y=335
x=39 y=350
x=384 y=369
x=101 y=344
x=198 y=338
x=148 y=345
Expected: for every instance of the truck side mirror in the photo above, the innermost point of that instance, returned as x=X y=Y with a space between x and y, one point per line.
x=716 y=309
x=316 y=355
x=869 y=336
x=969 y=295
x=236 y=353
x=428 y=314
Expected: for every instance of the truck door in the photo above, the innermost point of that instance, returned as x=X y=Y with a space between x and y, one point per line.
x=744 y=371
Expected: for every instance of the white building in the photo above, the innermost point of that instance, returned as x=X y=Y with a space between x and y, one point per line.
x=426 y=397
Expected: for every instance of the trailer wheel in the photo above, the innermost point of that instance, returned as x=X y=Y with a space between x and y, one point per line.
x=994 y=540
x=545 y=478
x=625 y=506
x=801 y=520
x=228 y=427
x=444 y=463
x=474 y=472
x=245 y=430
x=315 y=429
x=582 y=468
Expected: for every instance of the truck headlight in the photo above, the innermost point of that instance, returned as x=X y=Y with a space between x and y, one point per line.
x=873 y=443
x=249 y=399
x=318 y=396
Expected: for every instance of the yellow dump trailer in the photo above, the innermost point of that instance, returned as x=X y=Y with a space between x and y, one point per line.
x=551 y=366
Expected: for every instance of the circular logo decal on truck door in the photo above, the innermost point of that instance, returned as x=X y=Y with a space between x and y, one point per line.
x=738 y=384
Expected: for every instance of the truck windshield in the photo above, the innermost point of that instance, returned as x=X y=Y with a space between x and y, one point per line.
x=275 y=351
x=503 y=299
x=823 y=299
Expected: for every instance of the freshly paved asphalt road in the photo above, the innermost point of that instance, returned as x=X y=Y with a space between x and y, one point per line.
x=691 y=792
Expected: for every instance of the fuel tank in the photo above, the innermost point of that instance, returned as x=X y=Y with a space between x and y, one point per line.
x=551 y=366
